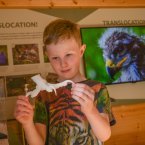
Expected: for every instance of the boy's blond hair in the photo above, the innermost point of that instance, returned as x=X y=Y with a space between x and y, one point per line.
x=61 y=29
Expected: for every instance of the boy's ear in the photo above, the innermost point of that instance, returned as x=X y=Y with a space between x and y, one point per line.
x=82 y=50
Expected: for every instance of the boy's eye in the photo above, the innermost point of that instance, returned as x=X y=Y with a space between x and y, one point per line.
x=68 y=54
x=55 y=58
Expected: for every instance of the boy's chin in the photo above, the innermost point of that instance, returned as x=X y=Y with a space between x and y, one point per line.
x=65 y=78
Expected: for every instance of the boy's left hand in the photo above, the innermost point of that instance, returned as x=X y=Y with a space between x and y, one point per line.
x=85 y=96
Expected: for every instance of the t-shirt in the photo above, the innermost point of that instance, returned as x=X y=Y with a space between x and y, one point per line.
x=66 y=124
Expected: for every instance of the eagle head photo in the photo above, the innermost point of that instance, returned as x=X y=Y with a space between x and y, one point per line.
x=124 y=54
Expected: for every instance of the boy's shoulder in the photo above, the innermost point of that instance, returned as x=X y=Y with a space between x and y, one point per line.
x=96 y=85
x=92 y=83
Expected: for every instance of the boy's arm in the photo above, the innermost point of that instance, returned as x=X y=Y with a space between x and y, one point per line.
x=35 y=133
x=99 y=121
x=24 y=112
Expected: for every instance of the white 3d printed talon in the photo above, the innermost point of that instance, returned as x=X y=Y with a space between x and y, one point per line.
x=43 y=85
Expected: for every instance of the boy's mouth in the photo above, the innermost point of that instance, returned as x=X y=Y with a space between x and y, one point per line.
x=65 y=71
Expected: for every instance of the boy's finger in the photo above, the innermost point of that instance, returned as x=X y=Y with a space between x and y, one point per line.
x=24 y=103
x=83 y=91
x=78 y=99
x=83 y=87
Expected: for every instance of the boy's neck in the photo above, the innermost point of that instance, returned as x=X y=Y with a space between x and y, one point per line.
x=76 y=79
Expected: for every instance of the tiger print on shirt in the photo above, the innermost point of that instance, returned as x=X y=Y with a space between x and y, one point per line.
x=66 y=124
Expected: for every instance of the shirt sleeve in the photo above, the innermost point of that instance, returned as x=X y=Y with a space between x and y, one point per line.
x=104 y=104
x=40 y=113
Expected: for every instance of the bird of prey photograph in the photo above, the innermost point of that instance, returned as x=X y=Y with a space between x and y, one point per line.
x=114 y=54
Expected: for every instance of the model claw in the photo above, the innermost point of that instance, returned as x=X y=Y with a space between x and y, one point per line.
x=43 y=85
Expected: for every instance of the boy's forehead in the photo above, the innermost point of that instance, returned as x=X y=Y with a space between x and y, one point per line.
x=63 y=45
x=64 y=41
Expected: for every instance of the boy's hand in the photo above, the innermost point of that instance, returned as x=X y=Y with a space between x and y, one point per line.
x=24 y=111
x=85 y=96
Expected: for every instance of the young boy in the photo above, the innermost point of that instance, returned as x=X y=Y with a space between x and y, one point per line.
x=78 y=114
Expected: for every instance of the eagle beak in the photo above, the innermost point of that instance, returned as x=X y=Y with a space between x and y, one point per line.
x=112 y=68
x=109 y=63
x=120 y=63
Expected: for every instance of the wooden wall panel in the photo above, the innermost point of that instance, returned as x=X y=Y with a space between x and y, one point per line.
x=70 y=3
x=130 y=126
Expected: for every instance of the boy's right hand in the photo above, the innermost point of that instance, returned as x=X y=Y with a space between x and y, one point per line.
x=24 y=111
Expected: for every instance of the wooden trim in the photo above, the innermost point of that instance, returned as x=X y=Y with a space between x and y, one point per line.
x=71 y=3
x=130 y=125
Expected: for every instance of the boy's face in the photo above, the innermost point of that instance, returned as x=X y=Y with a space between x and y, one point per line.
x=65 y=57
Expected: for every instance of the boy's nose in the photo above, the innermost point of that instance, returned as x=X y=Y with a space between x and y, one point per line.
x=63 y=63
